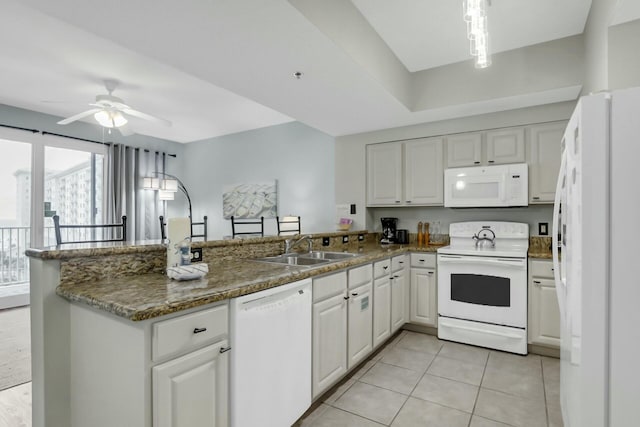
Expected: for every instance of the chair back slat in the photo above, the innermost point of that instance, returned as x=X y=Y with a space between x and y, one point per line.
x=243 y=223
x=91 y=230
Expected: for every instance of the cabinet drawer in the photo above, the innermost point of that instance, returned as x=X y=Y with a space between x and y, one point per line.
x=398 y=263
x=423 y=260
x=184 y=333
x=359 y=276
x=382 y=268
x=328 y=286
x=541 y=269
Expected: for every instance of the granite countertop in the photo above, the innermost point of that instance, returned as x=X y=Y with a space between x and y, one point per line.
x=145 y=296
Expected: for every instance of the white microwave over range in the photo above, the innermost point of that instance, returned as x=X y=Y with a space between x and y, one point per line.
x=487 y=186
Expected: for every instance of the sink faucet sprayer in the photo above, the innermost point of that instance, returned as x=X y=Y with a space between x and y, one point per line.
x=289 y=244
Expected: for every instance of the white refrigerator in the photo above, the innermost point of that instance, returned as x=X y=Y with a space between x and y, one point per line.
x=596 y=239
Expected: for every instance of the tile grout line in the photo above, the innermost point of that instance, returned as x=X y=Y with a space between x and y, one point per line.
x=484 y=370
x=544 y=393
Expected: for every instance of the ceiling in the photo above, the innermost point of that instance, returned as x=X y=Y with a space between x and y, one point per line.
x=224 y=66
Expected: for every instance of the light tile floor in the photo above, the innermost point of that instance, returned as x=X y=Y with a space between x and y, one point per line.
x=419 y=380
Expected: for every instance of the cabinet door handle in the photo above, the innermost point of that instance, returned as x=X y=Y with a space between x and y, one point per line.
x=385 y=267
x=491 y=161
x=400 y=262
x=421 y=260
x=395 y=277
x=391 y=278
x=347 y=297
x=536 y=198
x=397 y=201
x=536 y=282
x=198 y=330
x=355 y=294
x=430 y=272
x=224 y=350
x=408 y=201
x=476 y=163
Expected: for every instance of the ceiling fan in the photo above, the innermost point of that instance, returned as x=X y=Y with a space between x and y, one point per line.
x=110 y=112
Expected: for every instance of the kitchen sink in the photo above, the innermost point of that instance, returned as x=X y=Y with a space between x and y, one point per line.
x=308 y=259
x=332 y=256
x=293 y=259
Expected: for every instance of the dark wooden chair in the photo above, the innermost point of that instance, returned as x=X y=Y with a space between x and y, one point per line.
x=203 y=224
x=287 y=225
x=250 y=223
x=89 y=233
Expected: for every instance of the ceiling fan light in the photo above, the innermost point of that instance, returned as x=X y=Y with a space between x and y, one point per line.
x=110 y=119
x=103 y=118
x=118 y=119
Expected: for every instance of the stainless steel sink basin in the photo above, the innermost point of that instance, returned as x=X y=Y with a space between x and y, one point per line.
x=308 y=259
x=293 y=259
x=332 y=256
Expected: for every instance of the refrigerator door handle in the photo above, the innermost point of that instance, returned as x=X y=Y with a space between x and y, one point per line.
x=560 y=287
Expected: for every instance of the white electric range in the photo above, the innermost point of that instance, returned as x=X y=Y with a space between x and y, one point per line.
x=482 y=285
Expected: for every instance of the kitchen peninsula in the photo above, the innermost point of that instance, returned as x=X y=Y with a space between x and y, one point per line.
x=109 y=296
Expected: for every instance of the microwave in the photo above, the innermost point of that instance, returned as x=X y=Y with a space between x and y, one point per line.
x=487 y=186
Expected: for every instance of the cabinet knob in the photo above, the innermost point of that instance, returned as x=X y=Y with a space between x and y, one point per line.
x=224 y=350
x=198 y=330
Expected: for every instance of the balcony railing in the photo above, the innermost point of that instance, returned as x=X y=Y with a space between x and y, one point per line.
x=14 y=264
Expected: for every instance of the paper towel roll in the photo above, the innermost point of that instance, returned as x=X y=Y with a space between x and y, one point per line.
x=178 y=229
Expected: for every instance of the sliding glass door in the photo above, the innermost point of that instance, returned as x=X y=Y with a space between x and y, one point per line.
x=41 y=176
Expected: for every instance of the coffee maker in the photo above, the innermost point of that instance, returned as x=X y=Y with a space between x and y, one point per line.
x=389 y=226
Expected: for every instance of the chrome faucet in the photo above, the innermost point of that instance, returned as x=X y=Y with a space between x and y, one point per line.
x=482 y=236
x=289 y=244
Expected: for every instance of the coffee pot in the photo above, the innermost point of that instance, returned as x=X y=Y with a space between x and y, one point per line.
x=389 y=227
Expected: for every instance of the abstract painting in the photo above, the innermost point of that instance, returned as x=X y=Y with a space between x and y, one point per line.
x=250 y=200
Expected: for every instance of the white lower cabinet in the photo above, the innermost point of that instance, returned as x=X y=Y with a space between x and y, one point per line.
x=360 y=324
x=544 y=312
x=329 y=338
x=192 y=390
x=423 y=299
x=399 y=293
x=381 y=310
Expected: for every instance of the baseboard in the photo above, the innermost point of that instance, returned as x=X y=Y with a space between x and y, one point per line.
x=12 y=301
x=420 y=328
x=544 y=351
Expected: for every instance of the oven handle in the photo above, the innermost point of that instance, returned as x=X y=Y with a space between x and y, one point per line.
x=483 y=331
x=502 y=262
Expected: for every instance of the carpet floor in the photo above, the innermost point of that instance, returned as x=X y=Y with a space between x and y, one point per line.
x=15 y=347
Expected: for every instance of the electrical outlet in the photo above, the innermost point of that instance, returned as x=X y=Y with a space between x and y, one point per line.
x=326 y=241
x=543 y=228
x=345 y=239
x=196 y=254
x=360 y=237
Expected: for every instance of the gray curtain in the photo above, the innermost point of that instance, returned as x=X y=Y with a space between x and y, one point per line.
x=125 y=194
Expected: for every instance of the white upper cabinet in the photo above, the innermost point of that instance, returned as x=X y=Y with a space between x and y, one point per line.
x=424 y=172
x=413 y=179
x=505 y=146
x=544 y=160
x=464 y=149
x=384 y=174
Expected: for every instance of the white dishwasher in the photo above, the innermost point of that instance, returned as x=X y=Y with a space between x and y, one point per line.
x=270 y=378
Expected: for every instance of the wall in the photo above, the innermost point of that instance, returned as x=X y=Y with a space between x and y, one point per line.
x=624 y=55
x=300 y=158
x=596 y=45
x=350 y=161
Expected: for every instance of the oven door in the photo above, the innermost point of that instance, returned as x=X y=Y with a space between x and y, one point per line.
x=483 y=289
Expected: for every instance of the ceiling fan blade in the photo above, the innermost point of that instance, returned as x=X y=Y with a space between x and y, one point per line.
x=125 y=130
x=145 y=116
x=79 y=116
